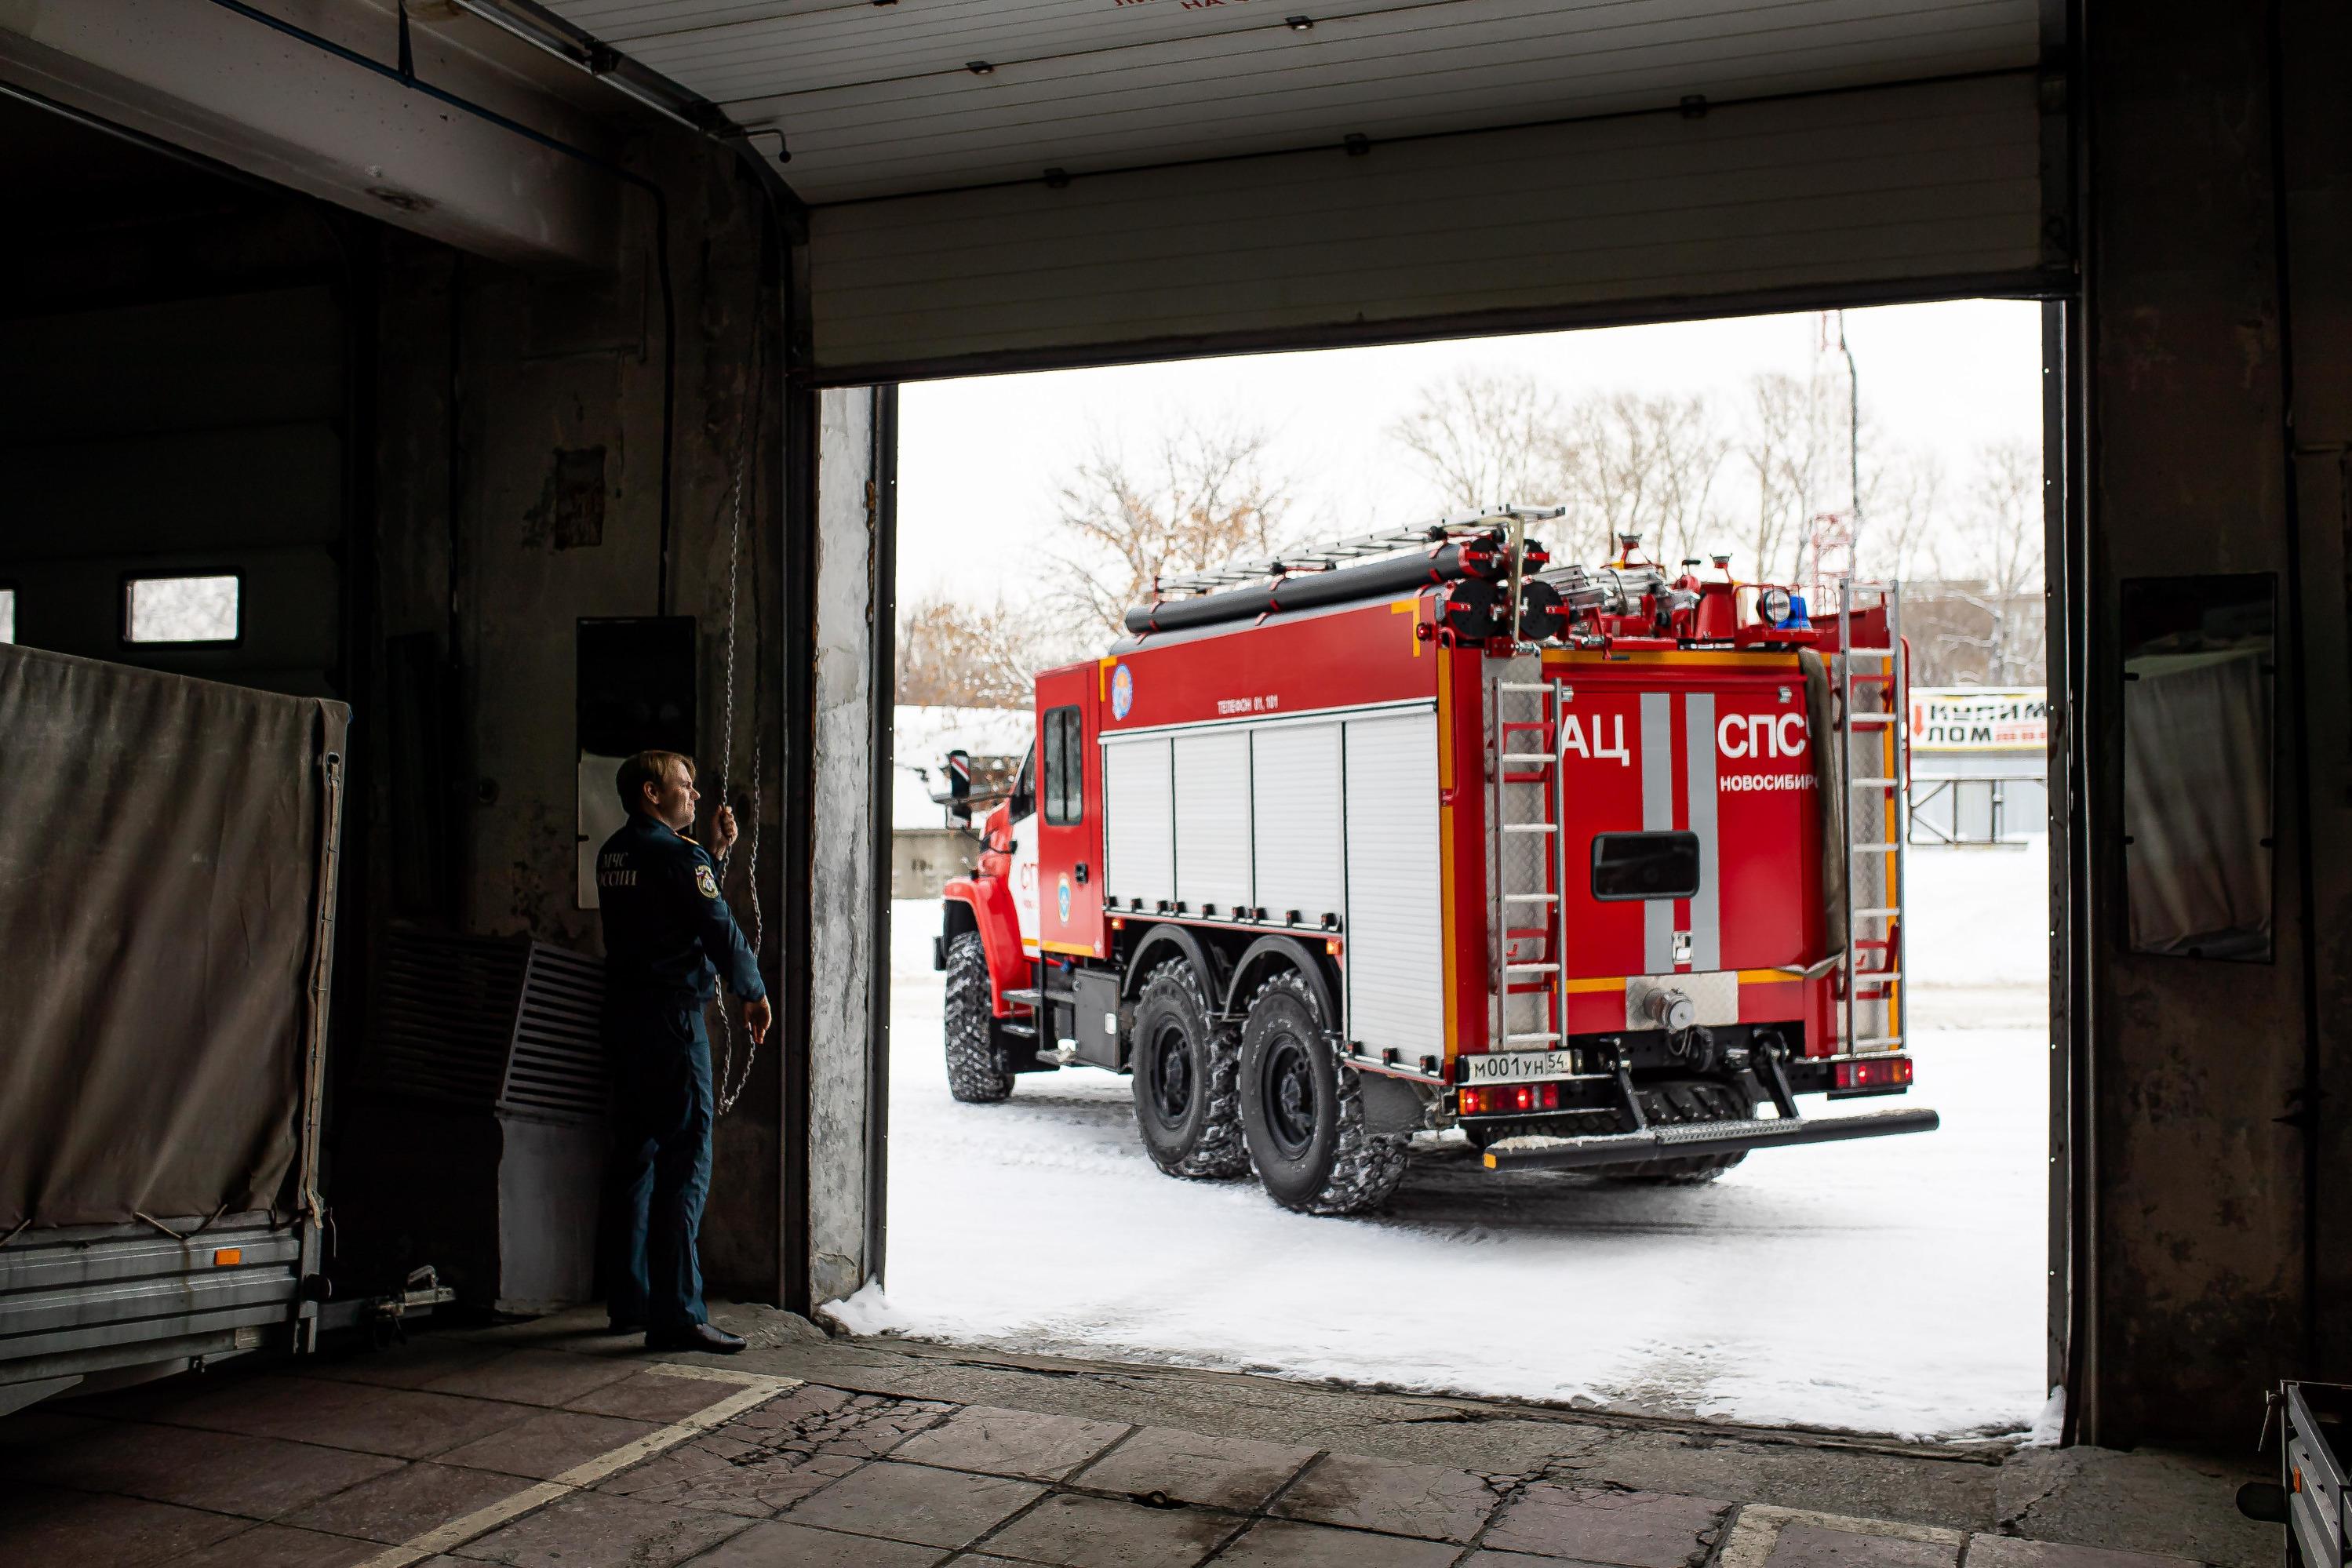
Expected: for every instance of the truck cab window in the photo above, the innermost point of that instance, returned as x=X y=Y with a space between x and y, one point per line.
x=1065 y=794
x=1025 y=786
x=1644 y=865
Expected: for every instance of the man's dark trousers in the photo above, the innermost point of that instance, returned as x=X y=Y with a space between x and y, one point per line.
x=661 y=1159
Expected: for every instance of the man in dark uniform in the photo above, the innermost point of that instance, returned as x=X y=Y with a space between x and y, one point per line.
x=669 y=936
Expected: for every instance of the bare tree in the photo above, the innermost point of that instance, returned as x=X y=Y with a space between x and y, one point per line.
x=2004 y=538
x=964 y=655
x=1646 y=466
x=1204 y=498
x=1485 y=438
x=2004 y=522
x=1979 y=615
x=1903 y=509
x=1777 y=457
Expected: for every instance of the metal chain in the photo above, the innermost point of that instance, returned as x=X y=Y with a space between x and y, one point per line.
x=727 y=1095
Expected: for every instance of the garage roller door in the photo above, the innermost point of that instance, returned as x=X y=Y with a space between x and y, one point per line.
x=1922 y=191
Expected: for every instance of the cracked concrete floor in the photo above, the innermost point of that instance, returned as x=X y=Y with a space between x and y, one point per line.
x=924 y=1453
x=556 y=1444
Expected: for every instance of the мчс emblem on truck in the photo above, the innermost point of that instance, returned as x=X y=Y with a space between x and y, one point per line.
x=1602 y=866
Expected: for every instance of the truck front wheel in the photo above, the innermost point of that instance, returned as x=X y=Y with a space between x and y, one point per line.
x=977 y=1072
x=1303 y=1110
x=1186 y=1069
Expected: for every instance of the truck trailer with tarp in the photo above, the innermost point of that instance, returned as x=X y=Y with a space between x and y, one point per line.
x=167 y=892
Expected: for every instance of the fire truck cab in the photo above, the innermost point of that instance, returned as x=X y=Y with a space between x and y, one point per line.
x=1416 y=831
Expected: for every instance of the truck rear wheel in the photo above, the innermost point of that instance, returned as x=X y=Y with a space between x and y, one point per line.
x=1303 y=1110
x=978 y=1073
x=1681 y=1100
x=1186 y=1071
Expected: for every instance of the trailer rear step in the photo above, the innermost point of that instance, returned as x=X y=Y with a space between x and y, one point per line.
x=1535 y=1151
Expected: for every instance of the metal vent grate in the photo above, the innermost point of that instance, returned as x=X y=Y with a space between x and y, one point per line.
x=488 y=1024
x=558 y=1064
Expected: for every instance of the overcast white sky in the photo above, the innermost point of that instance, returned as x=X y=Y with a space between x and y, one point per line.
x=979 y=460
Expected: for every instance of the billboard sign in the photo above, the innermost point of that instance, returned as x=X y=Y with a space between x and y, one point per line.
x=1978 y=718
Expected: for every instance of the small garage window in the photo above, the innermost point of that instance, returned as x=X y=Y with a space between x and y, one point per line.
x=1644 y=865
x=182 y=608
x=7 y=612
x=1066 y=785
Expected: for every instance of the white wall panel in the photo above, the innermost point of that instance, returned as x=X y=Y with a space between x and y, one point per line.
x=1139 y=822
x=1395 y=959
x=880 y=100
x=1295 y=783
x=1927 y=188
x=1212 y=820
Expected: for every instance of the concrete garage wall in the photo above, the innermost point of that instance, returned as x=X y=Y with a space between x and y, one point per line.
x=2315 y=120
x=846 y=1090
x=194 y=423
x=2218 y=410
x=495 y=463
x=488 y=548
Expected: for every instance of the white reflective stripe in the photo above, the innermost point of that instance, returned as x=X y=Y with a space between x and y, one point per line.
x=1657 y=817
x=1706 y=904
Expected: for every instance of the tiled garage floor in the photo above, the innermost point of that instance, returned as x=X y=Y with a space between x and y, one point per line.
x=448 y=1451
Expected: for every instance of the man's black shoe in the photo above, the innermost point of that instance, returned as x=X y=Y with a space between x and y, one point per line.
x=695 y=1336
x=624 y=1325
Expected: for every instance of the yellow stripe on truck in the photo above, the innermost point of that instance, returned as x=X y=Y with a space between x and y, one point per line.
x=1594 y=985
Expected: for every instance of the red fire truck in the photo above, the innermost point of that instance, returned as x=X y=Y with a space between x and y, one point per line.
x=1416 y=831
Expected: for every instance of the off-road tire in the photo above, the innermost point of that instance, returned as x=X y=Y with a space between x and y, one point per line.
x=978 y=1073
x=1309 y=1145
x=1187 y=1099
x=1681 y=1100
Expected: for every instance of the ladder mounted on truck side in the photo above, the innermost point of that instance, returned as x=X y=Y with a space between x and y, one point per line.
x=1523 y=772
x=1874 y=772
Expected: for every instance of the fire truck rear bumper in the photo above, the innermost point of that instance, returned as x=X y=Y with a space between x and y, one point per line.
x=1692 y=1139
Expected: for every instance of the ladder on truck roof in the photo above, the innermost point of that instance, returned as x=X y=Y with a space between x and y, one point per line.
x=1529 y=1013
x=1336 y=553
x=1874 y=770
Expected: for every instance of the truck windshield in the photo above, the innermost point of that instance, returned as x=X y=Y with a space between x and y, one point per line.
x=1644 y=865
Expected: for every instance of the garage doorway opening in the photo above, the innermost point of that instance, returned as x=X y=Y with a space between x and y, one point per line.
x=1895 y=1284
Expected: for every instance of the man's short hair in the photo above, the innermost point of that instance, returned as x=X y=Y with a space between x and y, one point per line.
x=647 y=768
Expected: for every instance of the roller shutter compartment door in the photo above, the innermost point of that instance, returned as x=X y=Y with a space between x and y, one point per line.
x=1395 y=961
x=1138 y=822
x=1923 y=190
x=1295 y=811
x=1212 y=820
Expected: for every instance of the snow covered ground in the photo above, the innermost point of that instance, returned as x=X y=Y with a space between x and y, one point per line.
x=1891 y=1286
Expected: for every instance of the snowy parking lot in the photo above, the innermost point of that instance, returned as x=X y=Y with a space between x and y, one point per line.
x=1889 y=1285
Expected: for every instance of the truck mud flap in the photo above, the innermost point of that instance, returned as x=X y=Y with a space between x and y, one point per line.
x=1698 y=1138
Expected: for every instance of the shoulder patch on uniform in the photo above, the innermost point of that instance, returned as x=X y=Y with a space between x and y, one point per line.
x=705 y=881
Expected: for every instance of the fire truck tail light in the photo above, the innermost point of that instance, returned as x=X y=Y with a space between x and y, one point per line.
x=1880 y=1073
x=1502 y=1099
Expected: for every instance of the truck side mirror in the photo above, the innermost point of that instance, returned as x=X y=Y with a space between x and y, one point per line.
x=959 y=801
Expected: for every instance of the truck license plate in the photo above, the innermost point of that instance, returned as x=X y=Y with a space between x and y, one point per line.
x=1518 y=1066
